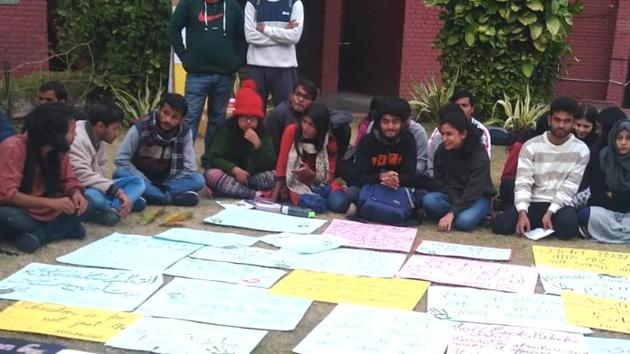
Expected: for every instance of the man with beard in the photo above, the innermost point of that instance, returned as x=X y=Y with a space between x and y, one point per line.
x=159 y=150
x=41 y=199
x=112 y=200
x=550 y=168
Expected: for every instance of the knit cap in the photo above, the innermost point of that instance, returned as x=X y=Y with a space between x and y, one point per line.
x=248 y=101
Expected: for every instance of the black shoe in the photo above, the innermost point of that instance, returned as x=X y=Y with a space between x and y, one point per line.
x=27 y=242
x=418 y=215
x=186 y=199
x=77 y=233
x=105 y=217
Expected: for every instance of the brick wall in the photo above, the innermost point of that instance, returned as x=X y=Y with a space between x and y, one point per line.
x=419 y=59
x=330 y=54
x=24 y=36
x=620 y=58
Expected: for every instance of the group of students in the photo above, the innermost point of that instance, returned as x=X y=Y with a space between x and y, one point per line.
x=299 y=153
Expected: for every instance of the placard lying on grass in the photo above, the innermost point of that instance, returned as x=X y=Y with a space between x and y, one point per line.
x=208 y=238
x=436 y=248
x=265 y=221
x=596 y=312
x=555 y=280
x=607 y=345
x=601 y=262
x=303 y=243
x=372 y=236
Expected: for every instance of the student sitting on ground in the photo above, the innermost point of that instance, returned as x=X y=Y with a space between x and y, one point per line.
x=608 y=217
x=307 y=161
x=585 y=124
x=52 y=91
x=111 y=200
x=159 y=149
x=242 y=155
x=462 y=174
x=41 y=200
x=6 y=129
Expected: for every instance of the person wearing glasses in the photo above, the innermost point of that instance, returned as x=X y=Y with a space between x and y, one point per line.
x=242 y=158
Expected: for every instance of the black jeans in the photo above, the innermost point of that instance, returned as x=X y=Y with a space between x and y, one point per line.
x=564 y=220
x=16 y=221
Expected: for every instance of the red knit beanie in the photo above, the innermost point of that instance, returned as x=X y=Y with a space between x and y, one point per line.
x=248 y=101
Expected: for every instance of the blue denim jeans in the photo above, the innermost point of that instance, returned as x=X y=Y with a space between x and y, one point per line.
x=218 y=89
x=16 y=221
x=161 y=194
x=438 y=204
x=133 y=186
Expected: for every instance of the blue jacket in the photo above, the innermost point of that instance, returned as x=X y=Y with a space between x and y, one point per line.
x=6 y=129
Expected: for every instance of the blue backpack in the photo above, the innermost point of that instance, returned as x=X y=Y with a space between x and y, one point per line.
x=384 y=205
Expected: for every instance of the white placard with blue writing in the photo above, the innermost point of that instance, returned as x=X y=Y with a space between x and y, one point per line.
x=208 y=238
x=265 y=221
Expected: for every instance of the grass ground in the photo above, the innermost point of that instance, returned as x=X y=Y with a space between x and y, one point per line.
x=281 y=342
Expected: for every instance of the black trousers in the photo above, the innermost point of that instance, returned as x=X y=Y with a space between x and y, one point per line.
x=564 y=220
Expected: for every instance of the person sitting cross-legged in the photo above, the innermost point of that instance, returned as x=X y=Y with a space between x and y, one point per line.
x=159 y=149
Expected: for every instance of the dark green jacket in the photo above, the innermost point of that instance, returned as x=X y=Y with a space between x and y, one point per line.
x=230 y=149
x=215 y=48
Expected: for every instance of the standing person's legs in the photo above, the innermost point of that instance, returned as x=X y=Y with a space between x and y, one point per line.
x=565 y=223
x=196 y=91
x=282 y=82
x=436 y=204
x=260 y=77
x=469 y=218
x=218 y=99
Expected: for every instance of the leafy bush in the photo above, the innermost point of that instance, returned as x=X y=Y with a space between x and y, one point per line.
x=501 y=46
x=521 y=115
x=136 y=106
x=427 y=99
x=123 y=41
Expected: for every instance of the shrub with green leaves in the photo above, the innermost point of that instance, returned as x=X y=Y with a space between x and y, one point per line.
x=502 y=46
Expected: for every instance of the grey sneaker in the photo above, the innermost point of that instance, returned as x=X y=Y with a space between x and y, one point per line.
x=352 y=211
x=186 y=199
x=583 y=230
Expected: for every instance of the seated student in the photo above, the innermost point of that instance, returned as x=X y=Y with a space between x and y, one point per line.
x=307 y=160
x=159 y=149
x=52 y=91
x=242 y=155
x=41 y=200
x=111 y=200
x=366 y=122
x=462 y=173
x=608 y=217
x=288 y=112
x=386 y=155
x=6 y=129
x=466 y=101
x=585 y=124
x=508 y=176
x=550 y=168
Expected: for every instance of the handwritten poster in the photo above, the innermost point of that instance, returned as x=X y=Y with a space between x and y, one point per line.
x=208 y=238
x=373 y=236
x=555 y=280
x=16 y=346
x=162 y=335
x=596 y=312
x=225 y=304
x=486 y=275
x=225 y=272
x=339 y=261
x=117 y=290
x=473 y=338
x=435 y=248
x=353 y=329
x=607 y=345
x=132 y=252
x=265 y=221
x=602 y=262
x=495 y=307
x=303 y=243
x=64 y=321
x=396 y=293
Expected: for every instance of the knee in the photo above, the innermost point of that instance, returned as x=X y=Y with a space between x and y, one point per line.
x=430 y=200
x=504 y=223
x=197 y=182
x=337 y=202
x=465 y=222
x=212 y=176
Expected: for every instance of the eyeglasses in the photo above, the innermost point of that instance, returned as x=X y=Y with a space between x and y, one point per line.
x=247 y=119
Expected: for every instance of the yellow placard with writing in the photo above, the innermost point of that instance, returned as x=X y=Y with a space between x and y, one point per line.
x=347 y=289
x=65 y=321
x=596 y=312
x=601 y=262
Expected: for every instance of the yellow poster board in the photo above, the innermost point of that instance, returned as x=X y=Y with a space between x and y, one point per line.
x=596 y=312
x=396 y=293
x=601 y=262
x=65 y=321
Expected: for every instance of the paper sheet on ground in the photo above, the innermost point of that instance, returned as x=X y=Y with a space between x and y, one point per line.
x=472 y=338
x=372 y=236
x=486 y=275
x=303 y=243
x=602 y=262
x=436 y=248
x=208 y=238
x=555 y=280
x=265 y=221
x=65 y=321
x=225 y=304
x=495 y=307
x=240 y=204
x=161 y=335
x=118 y=290
x=396 y=293
x=132 y=252
x=23 y=346
x=607 y=345
x=538 y=233
x=351 y=329
x=596 y=312
x=226 y=272
x=339 y=261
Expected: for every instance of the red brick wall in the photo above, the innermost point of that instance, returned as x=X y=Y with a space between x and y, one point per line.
x=24 y=36
x=419 y=59
x=592 y=39
x=620 y=58
x=330 y=55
